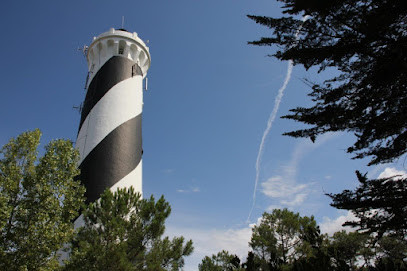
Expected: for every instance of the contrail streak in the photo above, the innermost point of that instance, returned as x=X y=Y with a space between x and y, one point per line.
x=268 y=128
x=271 y=120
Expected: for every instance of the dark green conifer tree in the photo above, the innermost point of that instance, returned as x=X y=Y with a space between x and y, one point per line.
x=122 y=231
x=365 y=42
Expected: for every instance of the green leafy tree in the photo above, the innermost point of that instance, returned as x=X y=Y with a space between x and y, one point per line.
x=317 y=258
x=223 y=261
x=344 y=249
x=264 y=245
x=39 y=198
x=391 y=253
x=124 y=232
x=367 y=251
x=251 y=263
x=284 y=237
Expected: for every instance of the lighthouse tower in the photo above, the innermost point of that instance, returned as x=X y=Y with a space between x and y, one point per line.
x=109 y=136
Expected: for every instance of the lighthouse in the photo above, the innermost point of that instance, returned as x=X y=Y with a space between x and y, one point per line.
x=109 y=137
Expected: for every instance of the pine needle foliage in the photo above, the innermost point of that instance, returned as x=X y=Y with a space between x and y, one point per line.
x=365 y=41
x=124 y=232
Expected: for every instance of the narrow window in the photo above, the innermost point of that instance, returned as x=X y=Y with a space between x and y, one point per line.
x=121 y=47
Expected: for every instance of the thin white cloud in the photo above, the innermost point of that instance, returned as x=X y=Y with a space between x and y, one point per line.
x=288 y=193
x=330 y=226
x=272 y=207
x=191 y=190
x=391 y=171
x=297 y=200
x=280 y=187
x=211 y=241
x=374 y=172
x=168 y=170
x=284 y=187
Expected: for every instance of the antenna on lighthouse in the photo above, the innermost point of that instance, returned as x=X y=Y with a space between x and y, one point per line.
x=84 y=50
x=146 y=84
x=79 y=107
x=122 y=22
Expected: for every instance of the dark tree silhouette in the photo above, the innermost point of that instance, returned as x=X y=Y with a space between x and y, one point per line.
x=366 y=41
x=379 y=205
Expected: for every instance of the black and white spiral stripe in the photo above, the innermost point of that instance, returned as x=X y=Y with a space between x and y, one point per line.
x=109 y=137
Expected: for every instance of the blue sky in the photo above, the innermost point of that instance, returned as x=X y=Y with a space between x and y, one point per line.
x=210 y=95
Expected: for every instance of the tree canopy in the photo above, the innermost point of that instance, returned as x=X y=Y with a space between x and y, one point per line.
x=283 y=237
x=39 y=198
x=379 y=205
x=122 y=231
x=223 y=261
x=284 y=240
x=366 y=42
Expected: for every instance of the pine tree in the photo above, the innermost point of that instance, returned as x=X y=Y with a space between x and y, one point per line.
x=366 y=42
x=379 y=205
x=122 y=231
